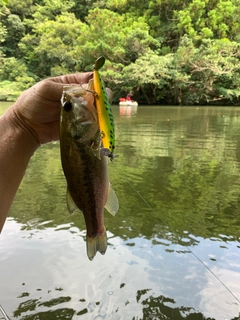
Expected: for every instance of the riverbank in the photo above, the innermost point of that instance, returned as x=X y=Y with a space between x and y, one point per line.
x=10 y=91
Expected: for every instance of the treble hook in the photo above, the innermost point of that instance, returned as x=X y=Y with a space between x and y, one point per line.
x=88 y=90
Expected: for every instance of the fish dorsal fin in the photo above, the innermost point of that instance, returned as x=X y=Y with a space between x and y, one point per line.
x=70 y=203
x=112 y=204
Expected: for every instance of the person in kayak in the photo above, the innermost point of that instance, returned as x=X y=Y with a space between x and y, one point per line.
x=128 y=97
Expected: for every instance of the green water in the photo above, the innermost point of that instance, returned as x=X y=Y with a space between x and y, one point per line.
x=177 y=178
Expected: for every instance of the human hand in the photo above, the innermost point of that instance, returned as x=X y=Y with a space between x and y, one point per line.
x=37 y=110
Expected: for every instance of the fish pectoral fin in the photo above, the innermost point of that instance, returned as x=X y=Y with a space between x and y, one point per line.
x=70 y=203
x=112 y=204
x=98 y=243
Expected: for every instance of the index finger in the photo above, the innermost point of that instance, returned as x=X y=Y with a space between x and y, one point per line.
x=75 y=78
x=51 y=88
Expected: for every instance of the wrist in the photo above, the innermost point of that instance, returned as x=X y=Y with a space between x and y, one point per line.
x=18 y=144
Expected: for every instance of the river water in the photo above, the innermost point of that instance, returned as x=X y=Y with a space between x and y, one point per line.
x=173 y=247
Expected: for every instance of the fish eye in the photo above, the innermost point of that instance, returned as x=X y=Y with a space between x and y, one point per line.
x=67 y=106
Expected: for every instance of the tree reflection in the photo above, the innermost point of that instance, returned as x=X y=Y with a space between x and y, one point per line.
x=63 y=314
x=187 y=167
x=153 y=308
x=33 y=304
x=157 y=308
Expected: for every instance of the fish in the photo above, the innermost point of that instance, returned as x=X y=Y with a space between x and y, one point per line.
x=84 y=165
x=105 y=115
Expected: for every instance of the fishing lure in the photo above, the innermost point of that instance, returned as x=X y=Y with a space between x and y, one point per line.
x=105 y=116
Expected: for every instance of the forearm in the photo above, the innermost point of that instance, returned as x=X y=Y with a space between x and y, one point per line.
x=17 y=145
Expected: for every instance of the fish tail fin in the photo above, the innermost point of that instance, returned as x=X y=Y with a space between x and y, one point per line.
x=98 y=243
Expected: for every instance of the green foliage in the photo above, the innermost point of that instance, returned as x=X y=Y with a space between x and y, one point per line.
x=57 y=43
x=15 y=31
x=50 y=9
x=81 y=8
x=162 y=51
x=51 y=49
x=21 y=8
x=3 y=14
x=149 y=75
x=10 y=69
x=202 y=19
x=13 y=73
x=120 y=38
x=210 y=69
x=9 y=90
x=3 y=32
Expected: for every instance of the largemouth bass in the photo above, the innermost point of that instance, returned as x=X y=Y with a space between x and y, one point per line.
x=84 y=165
x=105 y=116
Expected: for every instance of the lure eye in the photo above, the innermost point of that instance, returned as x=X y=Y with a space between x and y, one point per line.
x=67 y=106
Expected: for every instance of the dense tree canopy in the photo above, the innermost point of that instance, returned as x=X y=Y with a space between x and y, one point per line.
x=164 y=52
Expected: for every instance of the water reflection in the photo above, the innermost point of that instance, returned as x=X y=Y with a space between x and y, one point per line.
x=177 y=180
x=33 y=305
x=128 y=111
x=152 y=308
x=151 y=273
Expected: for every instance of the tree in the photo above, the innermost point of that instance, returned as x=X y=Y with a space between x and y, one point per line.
x=202 y=19
x=3 y=30
x=81 y=8
x=158 y=14
x=51 y=49
x=149 y=76
x=211 y=70
x=120 y=38
x=15 y=31
x=50 y=9
x=21 y=8
x=163 y=51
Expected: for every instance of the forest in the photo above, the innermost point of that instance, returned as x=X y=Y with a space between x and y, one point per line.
x=165 y=52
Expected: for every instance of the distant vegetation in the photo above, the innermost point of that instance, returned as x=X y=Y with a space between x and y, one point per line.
x=164 y=52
